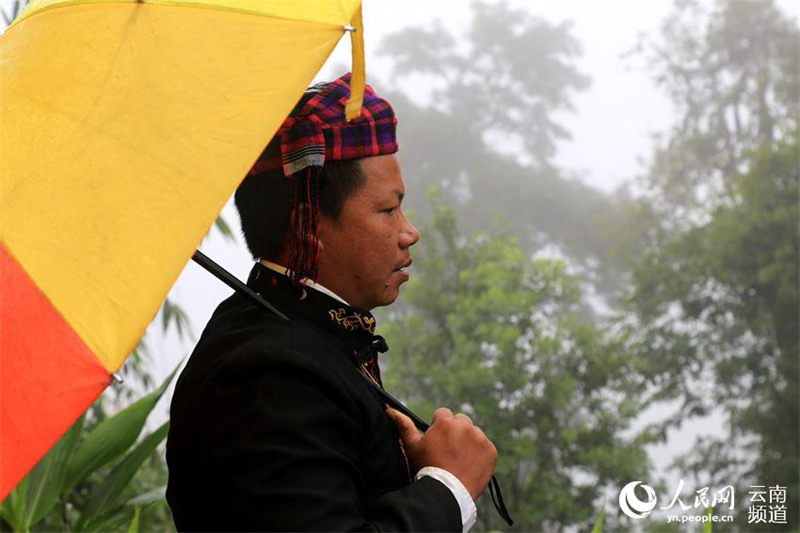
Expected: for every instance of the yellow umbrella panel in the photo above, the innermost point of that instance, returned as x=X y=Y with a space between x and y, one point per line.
x=125 y=126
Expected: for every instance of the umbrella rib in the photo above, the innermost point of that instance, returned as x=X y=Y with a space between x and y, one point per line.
x=178 y=3
x=31 y=13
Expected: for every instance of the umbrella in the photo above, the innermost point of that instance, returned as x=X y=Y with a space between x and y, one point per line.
x=125 y=126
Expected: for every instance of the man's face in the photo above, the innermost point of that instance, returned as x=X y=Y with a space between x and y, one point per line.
x=365 y=253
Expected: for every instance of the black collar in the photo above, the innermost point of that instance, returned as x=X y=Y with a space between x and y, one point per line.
x=353 y=326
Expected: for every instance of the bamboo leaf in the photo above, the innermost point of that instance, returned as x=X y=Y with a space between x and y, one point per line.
x=119 y=520
x=151 y=496
x=107 y=493
x=118 y=517
x=134 y=527
x=598 y=524
x=112 y=437
x=12 y=509
x=172 y=313
x=12 y=14
x=46 y=480
x=223 y=227
x=707 y=527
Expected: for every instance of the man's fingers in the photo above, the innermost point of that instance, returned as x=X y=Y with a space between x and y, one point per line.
x=408 y=431
x=441 y=413
x=463 y=417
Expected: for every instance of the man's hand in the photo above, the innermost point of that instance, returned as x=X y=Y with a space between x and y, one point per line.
x=452 y=443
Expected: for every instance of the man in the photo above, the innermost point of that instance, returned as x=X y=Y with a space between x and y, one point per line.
x=273 y=424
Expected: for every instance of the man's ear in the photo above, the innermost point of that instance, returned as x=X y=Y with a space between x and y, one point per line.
x=322 y=222
x=325 y=223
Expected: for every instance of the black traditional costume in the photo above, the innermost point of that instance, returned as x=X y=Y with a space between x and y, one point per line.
x=273 y=428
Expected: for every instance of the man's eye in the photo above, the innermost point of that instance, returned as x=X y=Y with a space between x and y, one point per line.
x=390 y=211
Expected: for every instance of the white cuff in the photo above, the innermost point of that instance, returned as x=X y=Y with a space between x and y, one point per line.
x=469 y=513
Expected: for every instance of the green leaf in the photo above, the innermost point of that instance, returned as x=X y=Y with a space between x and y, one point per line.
x=172 y=313
x=598 y=524
x=112 y=437
x=9 y=17
x=119 y=520
x=46 y=480
x=223 y=227
x=12 y=509
x=707 y=527
x=157 y=494
x=134 y=527
x=105 y=496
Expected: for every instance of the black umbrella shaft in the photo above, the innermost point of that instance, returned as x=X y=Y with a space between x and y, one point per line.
x=233 y=282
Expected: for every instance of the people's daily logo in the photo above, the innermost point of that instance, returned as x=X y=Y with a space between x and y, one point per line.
x=631 y=505
x=767 y=504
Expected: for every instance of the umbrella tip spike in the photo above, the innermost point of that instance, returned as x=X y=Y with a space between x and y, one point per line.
x=117 y=378
x=348 y=27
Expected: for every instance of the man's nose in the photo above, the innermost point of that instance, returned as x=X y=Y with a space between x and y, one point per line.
x=409 y=234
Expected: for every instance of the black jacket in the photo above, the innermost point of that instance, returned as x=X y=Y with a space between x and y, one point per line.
x=274 y=428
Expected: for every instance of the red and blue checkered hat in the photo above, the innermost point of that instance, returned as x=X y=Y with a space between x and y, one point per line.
x=319 y=131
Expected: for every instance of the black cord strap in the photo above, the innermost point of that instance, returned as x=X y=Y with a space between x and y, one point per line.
x=236 y=284
x=499 y=503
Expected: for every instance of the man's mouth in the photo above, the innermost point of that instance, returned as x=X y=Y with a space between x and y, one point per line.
x=404 y=266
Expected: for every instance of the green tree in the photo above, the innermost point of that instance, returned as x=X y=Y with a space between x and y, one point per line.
x=732 y=70
x=718 y=305
x=715 y=301
x=487 y=134
x=492 y=333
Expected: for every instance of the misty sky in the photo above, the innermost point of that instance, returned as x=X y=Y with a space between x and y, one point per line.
x=621 y=94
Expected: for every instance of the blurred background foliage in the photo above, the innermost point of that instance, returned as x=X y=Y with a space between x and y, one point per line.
x=697 y=259
x=555 y=313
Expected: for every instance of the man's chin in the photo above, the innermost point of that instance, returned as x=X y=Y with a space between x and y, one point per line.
x=389 y=296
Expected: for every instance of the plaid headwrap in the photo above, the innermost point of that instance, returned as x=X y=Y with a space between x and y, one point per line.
x=318 y=132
